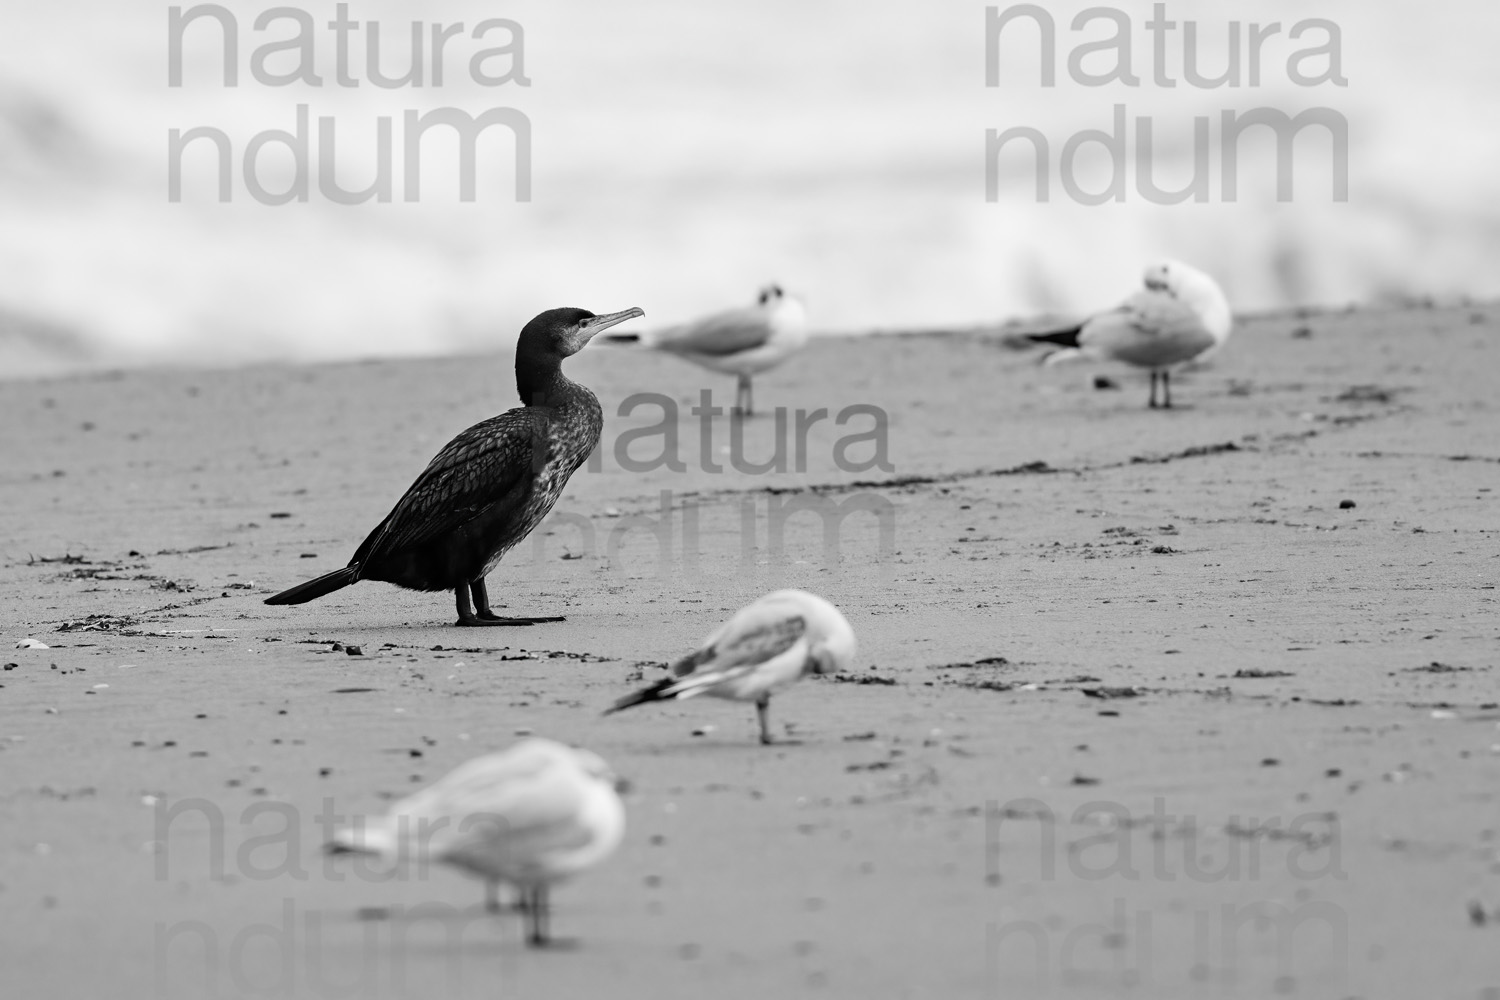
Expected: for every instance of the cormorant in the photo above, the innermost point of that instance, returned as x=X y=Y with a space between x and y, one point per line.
x=1179 y=316
x=765 y=647
x=490 y=486
x=740 y=342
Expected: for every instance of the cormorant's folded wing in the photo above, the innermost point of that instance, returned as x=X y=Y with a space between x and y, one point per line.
x=490 y=463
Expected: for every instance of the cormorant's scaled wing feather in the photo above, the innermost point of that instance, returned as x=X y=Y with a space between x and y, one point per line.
x=724 y=334
x=488 y=464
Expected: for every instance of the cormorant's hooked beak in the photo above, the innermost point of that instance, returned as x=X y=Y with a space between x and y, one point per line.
x=597 y=324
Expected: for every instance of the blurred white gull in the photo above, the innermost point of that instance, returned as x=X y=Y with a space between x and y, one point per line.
x=1180 y=315
x=531 y=815
x=766 y=646
x=740 y=342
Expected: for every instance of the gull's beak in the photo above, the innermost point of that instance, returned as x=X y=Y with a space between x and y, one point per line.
x=622 y=786
x=1158 y=284
x=589 y=327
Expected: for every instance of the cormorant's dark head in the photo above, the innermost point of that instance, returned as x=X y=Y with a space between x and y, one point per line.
x=561 y=333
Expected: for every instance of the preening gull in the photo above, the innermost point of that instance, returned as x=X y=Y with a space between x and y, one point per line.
x=765 y=647
x=1180 y=315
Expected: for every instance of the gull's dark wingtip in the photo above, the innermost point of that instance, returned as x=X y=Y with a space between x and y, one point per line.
x=656 y=692
x=1062 y=338
x=333 y=847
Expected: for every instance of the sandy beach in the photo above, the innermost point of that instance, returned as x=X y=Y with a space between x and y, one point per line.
x=1187 y=704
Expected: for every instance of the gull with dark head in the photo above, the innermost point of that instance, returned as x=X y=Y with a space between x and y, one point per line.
x=767 y=646
x=1181 y=315
x=530 y=816
x=741 y=342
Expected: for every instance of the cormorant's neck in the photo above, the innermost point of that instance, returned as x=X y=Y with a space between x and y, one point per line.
x=540 y=380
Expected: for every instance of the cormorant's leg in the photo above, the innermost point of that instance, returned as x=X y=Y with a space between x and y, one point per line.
x=1166 y=390
x=483 y=615
x=763 y=712
x=465 y=609
x=1152 y=403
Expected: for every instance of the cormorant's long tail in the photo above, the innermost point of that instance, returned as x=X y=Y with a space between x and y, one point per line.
x=621 y=338
x=314 y=589
x=1062 y=338
x=656 y=692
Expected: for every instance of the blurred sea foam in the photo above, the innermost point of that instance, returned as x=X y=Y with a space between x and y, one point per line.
x=687 y=152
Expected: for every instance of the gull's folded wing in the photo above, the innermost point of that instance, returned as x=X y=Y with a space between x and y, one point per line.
x=1150 y=329
x=720 y=335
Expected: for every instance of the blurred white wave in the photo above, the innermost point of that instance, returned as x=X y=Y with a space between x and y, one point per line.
x=685 y=153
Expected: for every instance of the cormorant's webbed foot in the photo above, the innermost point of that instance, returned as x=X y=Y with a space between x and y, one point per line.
x=475 y=621
x=479 y=614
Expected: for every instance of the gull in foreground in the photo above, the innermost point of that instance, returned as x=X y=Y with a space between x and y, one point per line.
x=765 y=647
x=1180 y=315
x=531 y=815
x=740 y=342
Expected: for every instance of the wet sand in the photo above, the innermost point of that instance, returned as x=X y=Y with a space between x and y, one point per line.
x=1140 y=708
